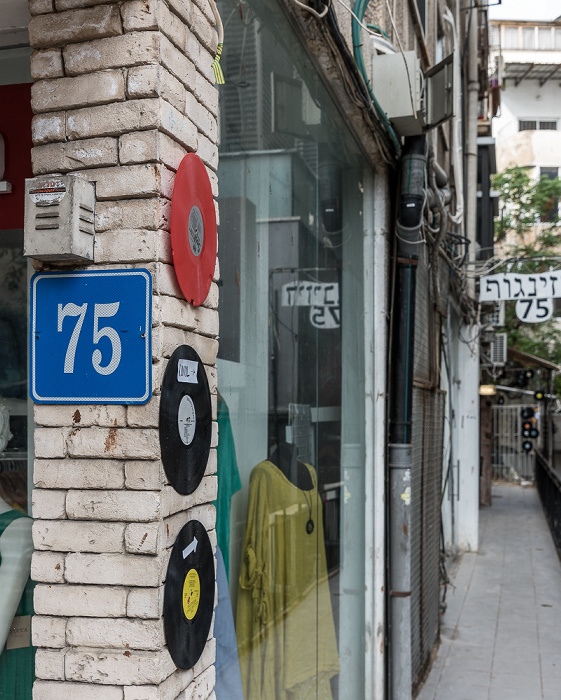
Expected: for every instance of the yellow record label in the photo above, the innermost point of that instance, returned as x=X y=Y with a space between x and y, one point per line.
x=191 y=594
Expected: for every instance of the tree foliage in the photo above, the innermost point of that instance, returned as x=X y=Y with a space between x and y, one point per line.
x=525 y=203
x=528 y=230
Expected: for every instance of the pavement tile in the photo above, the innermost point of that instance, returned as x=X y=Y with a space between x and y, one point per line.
x=512 y=694
x=551 y=665
x=465 y=692
x=552 y=688
x=530 y=684
x=465 y=662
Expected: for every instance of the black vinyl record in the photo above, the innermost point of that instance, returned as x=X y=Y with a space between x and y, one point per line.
x=185 y=420
x=189 y=595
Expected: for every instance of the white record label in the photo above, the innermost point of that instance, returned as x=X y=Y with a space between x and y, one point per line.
x=186 y=420
x=196 y=230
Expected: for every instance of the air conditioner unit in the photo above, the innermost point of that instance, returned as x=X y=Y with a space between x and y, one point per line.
x=498 y=349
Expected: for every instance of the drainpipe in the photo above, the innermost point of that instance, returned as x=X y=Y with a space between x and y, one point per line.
x=471 y=139
x=456 y=155
x=413 y=166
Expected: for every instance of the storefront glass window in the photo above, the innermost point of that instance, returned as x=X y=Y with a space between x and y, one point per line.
x=16 y=588
x=290 y=520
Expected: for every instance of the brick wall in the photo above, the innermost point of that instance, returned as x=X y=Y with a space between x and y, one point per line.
x=122 y=92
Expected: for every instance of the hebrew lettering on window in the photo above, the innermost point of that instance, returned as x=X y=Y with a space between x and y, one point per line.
x=310 y=294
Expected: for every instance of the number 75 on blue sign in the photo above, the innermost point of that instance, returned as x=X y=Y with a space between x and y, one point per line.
x=90 y=336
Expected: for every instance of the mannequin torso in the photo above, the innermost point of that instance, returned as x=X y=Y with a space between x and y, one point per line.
x=16 y=548
x=285 y=458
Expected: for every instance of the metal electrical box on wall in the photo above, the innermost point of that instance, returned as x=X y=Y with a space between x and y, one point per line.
x=414 y=102
x=59 y=218
x=396 y=81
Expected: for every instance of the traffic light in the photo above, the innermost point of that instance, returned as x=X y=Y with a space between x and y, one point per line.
x=523 y=377
x=528 y=429
x=539 y=395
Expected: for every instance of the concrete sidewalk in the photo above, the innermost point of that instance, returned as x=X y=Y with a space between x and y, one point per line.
x=501 y=634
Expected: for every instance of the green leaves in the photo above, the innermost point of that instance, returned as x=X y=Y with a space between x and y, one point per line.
x=529 y=219
x=527 y=231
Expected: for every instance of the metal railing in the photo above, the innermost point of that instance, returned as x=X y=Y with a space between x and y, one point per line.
x=548 y=482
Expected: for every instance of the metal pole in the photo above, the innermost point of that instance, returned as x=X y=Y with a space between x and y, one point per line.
x=400 y=459
x=375 y=335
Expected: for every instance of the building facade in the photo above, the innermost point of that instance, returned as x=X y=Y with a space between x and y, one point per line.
x=526 y=59
x=328 y=565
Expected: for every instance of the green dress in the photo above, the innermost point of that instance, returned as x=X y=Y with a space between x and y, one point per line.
x=228 y=481
x=17 y=666
x=284 y=621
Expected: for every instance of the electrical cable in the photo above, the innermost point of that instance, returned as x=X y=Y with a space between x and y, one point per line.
x=440 y=205
x=315 y=13
x=367 y=27
x=358 y=16
x=382 y=136
x=379 y=30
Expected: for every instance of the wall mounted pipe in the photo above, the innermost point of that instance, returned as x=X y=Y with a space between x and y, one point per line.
x=376 y=220
x=412 y=197
x=471 y=138
x=456 y=146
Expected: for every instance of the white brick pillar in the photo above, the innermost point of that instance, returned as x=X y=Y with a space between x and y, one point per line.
x=123 y=91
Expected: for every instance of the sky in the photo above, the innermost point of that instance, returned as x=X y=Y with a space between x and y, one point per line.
x=525 y=9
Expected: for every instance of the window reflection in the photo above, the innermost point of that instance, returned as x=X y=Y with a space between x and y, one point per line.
x=290 y=370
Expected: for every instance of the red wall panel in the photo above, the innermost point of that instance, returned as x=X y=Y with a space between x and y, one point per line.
x=15 y=127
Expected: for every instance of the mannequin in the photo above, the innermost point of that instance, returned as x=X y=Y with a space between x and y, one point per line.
x=285 y=457
x=16 y=548
x=284 y=621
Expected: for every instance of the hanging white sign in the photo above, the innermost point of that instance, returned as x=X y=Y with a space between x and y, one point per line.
x=512 y=286
x=534 y=310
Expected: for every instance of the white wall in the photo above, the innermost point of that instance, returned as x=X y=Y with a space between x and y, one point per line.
x=526 y=101
x=534 y=148
x=466 y=436
x=460 y=505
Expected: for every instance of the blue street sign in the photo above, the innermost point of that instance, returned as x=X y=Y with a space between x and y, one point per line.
x=90 y=337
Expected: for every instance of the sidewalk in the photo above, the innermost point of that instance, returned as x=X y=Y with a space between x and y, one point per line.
x=501 y=634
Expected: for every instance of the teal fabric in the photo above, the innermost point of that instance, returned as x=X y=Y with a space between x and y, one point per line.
x=17 y=666
x=228 y=480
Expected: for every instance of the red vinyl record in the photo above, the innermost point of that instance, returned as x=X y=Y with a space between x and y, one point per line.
x=193 y=229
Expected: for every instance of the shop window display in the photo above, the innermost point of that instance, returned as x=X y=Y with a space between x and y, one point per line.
x=16 y=598
x=16 y=546
x=290 y=369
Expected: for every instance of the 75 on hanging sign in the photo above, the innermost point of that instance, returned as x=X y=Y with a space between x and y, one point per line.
x=90 y=339
x=532 y=310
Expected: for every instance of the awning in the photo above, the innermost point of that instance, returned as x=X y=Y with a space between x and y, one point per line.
x=531 y=360
x=531 y=71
